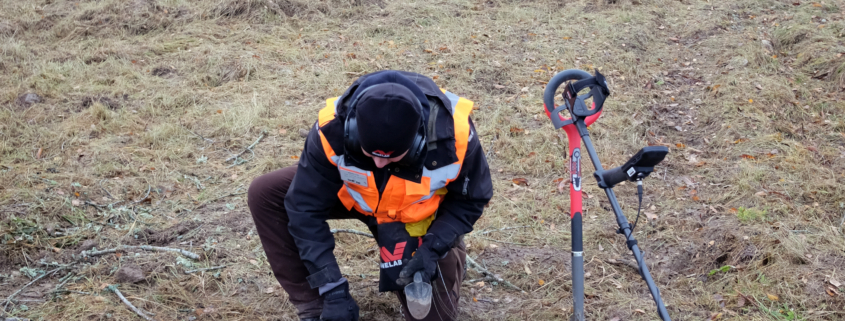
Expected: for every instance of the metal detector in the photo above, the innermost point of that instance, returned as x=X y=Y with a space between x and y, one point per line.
x=635 y=169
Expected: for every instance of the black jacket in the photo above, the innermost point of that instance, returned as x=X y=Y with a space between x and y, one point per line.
x=313 y=192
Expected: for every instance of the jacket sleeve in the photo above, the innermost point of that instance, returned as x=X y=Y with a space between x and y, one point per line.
x=311 y=196
x=465 y=200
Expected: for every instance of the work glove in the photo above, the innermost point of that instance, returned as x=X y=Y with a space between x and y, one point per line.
x=338 y=305
x=423 y=261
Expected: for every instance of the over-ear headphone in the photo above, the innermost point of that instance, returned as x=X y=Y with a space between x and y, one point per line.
x=352 y=146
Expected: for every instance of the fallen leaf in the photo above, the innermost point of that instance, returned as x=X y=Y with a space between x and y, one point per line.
x=38 y=155
x=269 y=290
x=639 y=311
x=713 y=89
x=253 y=262
x=520 y=181
x=294 y=157
x=835 y=283
x=527 y=270
x=650 y=216
x=681 y=146
x=740 y=301
x=746 y=156
x=515 y=129
x=541 y=282
x=760 y=194
x=567 y=38
x=817 y=5
x=480 y=284
x=562 y=185
x=219 y=111
x=716 y=316
x=76 y=202
x=772 y=297
x=696 y=198
x=283 y=131
x=751 y=101
x=474 y=299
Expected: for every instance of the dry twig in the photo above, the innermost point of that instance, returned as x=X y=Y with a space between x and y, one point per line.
x=481 y=270
x=9 y=299
x=263 y=132
x=334 y=231
x=494 y=240
x=114 y=289
x=205 y=269
x=198 y=135
x=149 y=188
x=501 y=229
x=100 y=183
x=142 y=247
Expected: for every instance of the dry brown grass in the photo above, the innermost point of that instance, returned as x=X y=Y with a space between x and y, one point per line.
x=127 y=87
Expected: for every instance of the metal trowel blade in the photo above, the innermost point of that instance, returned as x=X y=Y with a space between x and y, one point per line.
x=418 y=294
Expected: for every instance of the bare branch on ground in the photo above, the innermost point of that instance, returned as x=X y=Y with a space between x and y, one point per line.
x=137 y=311
x=501 y=229
x=142 y=247
x=100 y=183
x=494 y=240
x=263 y=133
x=205 y=269
x=9 y=299
x=149 y=188
x=481 y=270
x=198 y=135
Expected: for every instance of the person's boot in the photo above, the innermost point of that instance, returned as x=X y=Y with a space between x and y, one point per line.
x=310 y=311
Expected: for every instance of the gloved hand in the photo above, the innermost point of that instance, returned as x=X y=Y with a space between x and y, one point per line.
x=338 y=305
x=424 y=261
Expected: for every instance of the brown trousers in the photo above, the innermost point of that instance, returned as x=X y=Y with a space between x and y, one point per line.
x=267 y=205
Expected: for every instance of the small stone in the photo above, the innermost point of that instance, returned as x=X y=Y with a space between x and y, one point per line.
x=303 y=133
x=88 y=244
x=28 y=99
x=767 y=45
x=130 y=273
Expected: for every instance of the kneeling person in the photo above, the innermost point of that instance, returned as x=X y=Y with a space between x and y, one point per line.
x=398 y=154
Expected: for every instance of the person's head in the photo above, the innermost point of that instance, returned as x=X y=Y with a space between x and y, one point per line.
x=388 y=119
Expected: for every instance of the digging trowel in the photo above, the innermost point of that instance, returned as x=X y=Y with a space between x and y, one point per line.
x=418 y=294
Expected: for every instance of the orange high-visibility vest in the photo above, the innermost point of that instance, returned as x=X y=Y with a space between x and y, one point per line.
x=401 y=200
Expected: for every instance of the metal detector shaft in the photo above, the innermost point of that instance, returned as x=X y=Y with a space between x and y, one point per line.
x=624 y=227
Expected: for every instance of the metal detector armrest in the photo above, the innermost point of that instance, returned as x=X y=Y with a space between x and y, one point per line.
x=636 y=168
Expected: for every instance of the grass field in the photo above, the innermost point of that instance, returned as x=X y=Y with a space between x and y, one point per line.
x=139 y=105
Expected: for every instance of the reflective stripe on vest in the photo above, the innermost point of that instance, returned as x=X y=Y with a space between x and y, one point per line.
x=401 y=200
